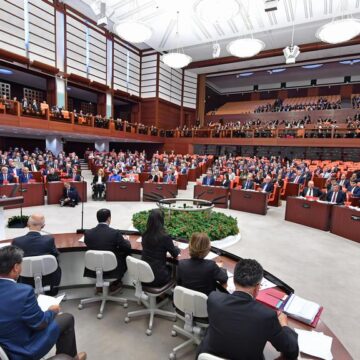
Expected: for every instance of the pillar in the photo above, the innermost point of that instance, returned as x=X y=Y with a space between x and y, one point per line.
x=54 y=144
x=200 y=106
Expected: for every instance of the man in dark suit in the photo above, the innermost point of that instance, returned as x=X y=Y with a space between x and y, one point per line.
x=354 y=189
x=298 y=178
x=336 y=195
x=239 y=326
x=311 y=190
x=104 y=238
x=70 y=196
x=249 y=183
x=169 y=178
x=35 y=244
x=25 y=176
x=267 y=186
x=209 y=179
x=52 y=175
x=27 y=332
x=5 y=177
x=344 y=182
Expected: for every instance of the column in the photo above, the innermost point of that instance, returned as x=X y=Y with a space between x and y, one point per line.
x=109 y=105
x=102 y=145
x=54 y=144
x=200 y=106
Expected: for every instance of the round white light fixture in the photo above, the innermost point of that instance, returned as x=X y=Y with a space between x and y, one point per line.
x=245 y=48
x=339 y=31
x=213 y=11
x=133 y=31
x=176 y=60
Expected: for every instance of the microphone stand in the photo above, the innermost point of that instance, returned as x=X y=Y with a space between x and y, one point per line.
x=82 y=230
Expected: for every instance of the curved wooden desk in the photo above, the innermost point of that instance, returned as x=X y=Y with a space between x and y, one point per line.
x=69 y=243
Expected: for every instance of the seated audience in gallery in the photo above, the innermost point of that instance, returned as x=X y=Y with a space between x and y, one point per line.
x=70 y=196
x=156 y=244
x=198 y=273
x=34 y=244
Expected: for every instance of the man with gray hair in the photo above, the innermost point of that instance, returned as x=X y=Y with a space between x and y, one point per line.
x=35 y=244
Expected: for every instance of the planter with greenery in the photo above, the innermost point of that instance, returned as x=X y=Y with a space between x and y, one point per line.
x=18 y=221
x=183 y=224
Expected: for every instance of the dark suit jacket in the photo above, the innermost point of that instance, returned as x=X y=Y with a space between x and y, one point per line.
x=23 y=179
x=155 y=256
x=248 y=184
x=35 y=244
x=200 y=275
x=9 y=178
x=344 y=183
x=269 y=188
x=226 y=184
x=316 y=192
x=339 y=199
x=300 y=181
x=95 y=180
x=103 y=237
x=20 y=318
x=52 y=177
x=239 y=328
x=210 y=182
x=73 y=194
x=166 y=179
x=154 y=178
x=356 y=192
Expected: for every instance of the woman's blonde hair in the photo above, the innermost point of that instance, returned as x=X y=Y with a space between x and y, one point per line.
x=101 y=171
x=199 y=245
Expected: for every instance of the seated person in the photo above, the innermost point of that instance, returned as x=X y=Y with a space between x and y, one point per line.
x=25 y=176
x=208 y=179
x=156 y=243
x=6 y=177
x=169 y=178
x=336 y=195
x=226 y=182
x=114 y=177
x=240 y=326
x=267 y=186
x=249 y=183
x=70 y=196
x=231 y=174
x=197 y=273
x=98 y=185
x=298 y=178
x=103 y=237
x=311 y=190
x=344 y=182
x=52 y=176
x=153 y=177
x=354 y=189
x=35 y=244
x=76 y=175
x=33 y=332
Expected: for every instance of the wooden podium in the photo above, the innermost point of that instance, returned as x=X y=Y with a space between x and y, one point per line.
x=249 y=201
x=17 y=200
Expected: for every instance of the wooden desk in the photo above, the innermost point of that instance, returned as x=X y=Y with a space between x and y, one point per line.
x=249 y=201
x=182 y=181
x=144 y=176
x=309 y=213
x=37 y=176
x=291 y=190
x=217 y=194
x=319 y=182
x=192 y=174
x=155 y=191
x=69 y=243
x=123 y=191
x=55 y=191
x=345 y=222
x=33 y=193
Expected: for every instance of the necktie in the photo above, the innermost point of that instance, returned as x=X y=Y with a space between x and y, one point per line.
x=333 y=199
x=247 y=185
x=310 y=192
x=352 y=190
x=296 y=180
x=265 y=187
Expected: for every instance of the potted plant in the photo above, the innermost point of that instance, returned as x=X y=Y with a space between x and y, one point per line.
x=18 y=221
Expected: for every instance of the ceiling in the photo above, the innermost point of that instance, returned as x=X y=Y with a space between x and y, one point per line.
x=197 y=36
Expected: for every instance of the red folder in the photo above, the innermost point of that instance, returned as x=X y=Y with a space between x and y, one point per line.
x=272 y=297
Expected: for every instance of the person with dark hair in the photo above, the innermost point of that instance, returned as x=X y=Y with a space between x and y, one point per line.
x=104 y=238
x=27 y=332
x=240 y=326
x=156 y=243
x=198 y=273
x=226 y=182
x=36 y=244
x=70 y=196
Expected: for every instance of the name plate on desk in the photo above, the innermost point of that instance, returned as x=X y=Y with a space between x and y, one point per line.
x=247 y=196
x=123 y=187
x=354 y=217
x=306 y=206
x=159 y=187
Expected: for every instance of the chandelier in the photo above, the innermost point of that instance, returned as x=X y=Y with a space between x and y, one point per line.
x=339 y=31
x=244 y=48
x=133 y=31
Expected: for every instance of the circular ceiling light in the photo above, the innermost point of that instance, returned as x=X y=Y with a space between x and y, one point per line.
x=133 y=31
x=176 y=60
x=245 y=48
x=217 y=11
x=339 y=31
x=312 y=66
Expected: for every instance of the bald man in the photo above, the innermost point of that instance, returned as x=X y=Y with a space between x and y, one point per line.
x=35 y=244
x=311 y=190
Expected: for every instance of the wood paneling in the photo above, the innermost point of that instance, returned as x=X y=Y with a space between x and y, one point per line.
x=148 y=113
x=179 y=148
x=201 y=98
x=169 y=115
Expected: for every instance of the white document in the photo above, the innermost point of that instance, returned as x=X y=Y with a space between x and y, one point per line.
x=211 y=255
x=301 y=309
x=315 y=344
x=46 y=301
x=82 y=239
x=4 y=244
x=266 y=284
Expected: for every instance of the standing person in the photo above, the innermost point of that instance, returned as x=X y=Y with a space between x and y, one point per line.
x=27 y=332
x=156 y=244
x=98 y=185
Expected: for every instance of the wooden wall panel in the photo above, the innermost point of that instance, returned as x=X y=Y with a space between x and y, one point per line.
x=169 y=115
x=148 y=111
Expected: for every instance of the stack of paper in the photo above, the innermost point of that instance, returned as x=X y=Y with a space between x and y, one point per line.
x=301 y=309
x=46 y=301
x=211 y=255
x=315 y=344
x=266 y=284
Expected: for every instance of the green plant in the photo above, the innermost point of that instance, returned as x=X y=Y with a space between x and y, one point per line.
x=17 y=220
x=183 y=224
